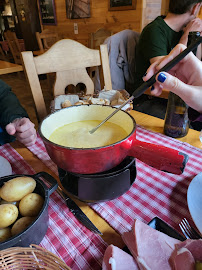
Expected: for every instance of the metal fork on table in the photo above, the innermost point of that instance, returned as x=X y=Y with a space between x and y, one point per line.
x=188 y=231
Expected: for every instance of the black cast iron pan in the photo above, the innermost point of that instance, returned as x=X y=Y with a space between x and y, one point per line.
x=35 y=232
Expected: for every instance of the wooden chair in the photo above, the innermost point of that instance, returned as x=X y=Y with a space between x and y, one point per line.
x=46 y=39
x=14 y=46
x=69 y=60
x=2 y=54
x=97 y=38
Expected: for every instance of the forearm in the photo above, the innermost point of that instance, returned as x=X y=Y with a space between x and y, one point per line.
x=184 y=38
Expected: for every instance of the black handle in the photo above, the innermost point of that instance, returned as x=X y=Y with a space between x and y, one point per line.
x=50 y=179
x=140 y=90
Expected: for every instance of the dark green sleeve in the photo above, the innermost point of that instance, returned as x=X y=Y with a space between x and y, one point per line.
x=10 y=107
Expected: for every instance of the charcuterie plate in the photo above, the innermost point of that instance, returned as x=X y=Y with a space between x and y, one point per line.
x=5 y=167
x=160 y=225
x=194 y=200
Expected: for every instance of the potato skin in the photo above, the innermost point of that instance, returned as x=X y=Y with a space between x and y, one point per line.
x=21 y=224
x=31 y=204
x=5 y=234
x=16 y=188
x=8 y=215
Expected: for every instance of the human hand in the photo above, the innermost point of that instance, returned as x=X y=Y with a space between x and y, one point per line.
x=193 y=26
x=24 y=131
x=187 y=82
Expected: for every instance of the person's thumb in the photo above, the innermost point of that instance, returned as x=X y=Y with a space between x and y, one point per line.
x=10 y=128
x=170 y=83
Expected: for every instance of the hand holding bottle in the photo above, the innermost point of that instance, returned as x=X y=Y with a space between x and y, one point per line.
x=187 y=79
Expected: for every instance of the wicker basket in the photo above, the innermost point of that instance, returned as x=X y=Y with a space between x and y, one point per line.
x=28 y=258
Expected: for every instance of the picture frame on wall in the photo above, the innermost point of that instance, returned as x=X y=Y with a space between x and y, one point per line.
x=47 y=12
x=77 y=9
x=121 y=4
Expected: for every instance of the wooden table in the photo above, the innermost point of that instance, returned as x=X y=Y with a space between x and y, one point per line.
x=7 y=67
x=109 y=234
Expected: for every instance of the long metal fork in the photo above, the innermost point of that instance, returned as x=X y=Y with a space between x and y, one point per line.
x=188 y=231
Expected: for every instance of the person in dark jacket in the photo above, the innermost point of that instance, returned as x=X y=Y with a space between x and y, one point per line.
x=186 y=82
x=14 y=120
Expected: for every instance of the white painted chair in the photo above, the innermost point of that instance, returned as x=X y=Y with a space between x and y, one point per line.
x=69 y=60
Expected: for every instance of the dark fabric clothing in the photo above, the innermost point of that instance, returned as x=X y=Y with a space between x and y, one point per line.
x=156 y=39
x=10 y=109
x=195 y=119
x=194 y=115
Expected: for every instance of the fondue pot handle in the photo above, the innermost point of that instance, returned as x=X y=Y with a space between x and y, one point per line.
x=160 y=157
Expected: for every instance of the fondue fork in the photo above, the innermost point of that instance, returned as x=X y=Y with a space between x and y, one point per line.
x=77 y=212
x=140 y=90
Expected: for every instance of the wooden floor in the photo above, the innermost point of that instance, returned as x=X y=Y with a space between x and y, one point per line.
x=20 y=87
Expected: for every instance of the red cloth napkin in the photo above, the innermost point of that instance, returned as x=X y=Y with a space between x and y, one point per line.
x=154 y=193
x=66 y=236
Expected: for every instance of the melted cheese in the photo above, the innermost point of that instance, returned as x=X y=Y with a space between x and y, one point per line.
x=77 y=134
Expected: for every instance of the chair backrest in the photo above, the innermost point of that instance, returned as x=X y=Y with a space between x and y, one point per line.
x=97 y=38
x=14 y=46
x=69 y=60
x=46 y=39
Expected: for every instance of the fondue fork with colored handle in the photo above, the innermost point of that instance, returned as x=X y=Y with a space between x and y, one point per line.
x=142 y=88
x=77 y=212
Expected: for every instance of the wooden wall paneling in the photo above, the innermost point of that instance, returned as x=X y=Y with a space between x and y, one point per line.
x=100 y=17
x=200 y=13
x=164 y=7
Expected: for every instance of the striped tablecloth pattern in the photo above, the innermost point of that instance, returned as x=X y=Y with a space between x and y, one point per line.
x=154 y=193
x=66 y=236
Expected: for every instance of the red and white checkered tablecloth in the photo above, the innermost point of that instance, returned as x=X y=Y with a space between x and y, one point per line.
x=154 y=193
x=66 y=236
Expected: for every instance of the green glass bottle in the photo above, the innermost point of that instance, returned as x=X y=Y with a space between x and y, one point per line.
x=176 y=123
x=176 y=120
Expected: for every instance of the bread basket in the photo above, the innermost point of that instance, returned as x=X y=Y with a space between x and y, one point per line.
x=110 y=97
x=28 y=258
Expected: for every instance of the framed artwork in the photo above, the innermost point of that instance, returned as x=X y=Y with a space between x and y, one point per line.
x=78 y=9
x=122 y=4
x=47 y=11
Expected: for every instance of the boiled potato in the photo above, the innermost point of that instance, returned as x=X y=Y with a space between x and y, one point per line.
x=16 y=188
x=21 y=224
x=31 y=205
x=8 y=215
x=5 y=233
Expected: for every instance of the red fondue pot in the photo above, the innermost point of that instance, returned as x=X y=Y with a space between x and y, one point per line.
x=94 y=160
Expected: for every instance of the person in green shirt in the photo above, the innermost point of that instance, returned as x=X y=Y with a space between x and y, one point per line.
x=160 y=36
x=14 y=120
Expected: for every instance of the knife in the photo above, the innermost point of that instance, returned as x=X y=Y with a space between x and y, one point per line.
x=77 y=212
